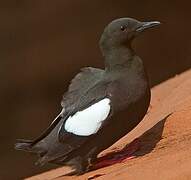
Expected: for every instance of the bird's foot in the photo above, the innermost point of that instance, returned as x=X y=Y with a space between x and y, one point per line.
x=125 y=154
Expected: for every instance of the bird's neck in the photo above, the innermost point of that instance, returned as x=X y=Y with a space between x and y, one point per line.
x=120 y=56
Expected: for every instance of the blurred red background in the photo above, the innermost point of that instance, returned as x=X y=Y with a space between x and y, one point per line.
x=45 y=43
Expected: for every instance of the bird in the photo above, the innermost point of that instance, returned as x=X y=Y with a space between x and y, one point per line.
x=89 y=121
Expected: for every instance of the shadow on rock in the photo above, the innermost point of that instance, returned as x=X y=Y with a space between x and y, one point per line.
x=150 y=138
x=139 y=147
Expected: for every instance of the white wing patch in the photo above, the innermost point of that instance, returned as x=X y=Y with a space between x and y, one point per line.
x=88 y=121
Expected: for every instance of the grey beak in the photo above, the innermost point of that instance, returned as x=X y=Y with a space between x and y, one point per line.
x=146 y=25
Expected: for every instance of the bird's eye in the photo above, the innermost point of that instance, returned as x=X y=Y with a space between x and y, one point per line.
x=123 y=28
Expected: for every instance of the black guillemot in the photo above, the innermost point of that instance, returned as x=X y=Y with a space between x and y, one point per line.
x=88 y=122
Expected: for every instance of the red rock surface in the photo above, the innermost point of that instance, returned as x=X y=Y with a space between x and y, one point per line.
x=165 y=151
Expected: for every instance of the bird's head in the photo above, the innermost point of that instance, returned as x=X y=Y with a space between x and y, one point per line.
x=122 y=31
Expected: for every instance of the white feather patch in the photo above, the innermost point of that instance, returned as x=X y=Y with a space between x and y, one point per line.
x=89 y=120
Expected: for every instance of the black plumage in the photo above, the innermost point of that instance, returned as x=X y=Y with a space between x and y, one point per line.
x=123 y=81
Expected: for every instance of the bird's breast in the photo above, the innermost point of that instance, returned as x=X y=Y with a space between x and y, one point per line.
x=128 y=90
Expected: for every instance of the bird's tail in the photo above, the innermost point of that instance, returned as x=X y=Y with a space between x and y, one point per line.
x=24 y=145
x=33 y=145
x=28 y=146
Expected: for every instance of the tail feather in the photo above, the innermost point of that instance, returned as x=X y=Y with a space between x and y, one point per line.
x=46 y=147
x=33 y=145
x=27 y=145
x=45 y=156
x=24 y=145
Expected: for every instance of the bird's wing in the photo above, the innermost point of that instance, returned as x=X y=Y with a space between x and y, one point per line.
x=86 y=76
x=86 y=121
x=80 y=85
x=80 y=128
x=89 y=107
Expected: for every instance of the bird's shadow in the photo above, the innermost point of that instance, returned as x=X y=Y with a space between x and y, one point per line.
x=144 y=144
x=150 y=138
x=139 y=147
